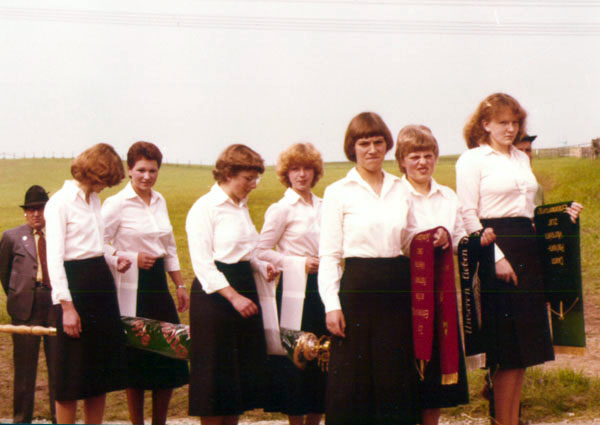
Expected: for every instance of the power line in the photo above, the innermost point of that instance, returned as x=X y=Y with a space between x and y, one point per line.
x=336 y=25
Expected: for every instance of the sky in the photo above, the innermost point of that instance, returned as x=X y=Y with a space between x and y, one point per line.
x=193 y=76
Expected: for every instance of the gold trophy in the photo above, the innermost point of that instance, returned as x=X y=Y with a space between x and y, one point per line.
x=303 y=347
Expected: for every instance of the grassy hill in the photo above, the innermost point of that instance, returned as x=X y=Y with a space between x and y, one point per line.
x=562 y=179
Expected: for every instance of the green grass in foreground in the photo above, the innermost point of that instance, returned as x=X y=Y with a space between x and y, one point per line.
x=548 y=395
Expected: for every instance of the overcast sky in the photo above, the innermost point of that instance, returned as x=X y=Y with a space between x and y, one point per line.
x=193 y=76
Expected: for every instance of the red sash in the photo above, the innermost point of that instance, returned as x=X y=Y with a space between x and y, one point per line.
x=434 y=299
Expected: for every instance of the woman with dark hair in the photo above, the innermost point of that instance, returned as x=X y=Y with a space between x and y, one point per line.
x=292 y=225
x=137 y=226
x=496 y=189
x=90 y=336
x=365 y=225
x=228 y=352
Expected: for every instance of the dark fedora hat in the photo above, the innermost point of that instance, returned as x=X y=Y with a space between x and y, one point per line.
x=528 y=138
x=35 y=197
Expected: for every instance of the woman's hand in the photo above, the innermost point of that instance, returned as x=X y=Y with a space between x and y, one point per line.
x=336 y=323
x=487 y=236
x=312 y=265
x=145 y=260
x=71 y=321
x=505 y=272
x=272 y=272
x=574 y=210
x=244 y=306
x=123 y=264
x=183 y=299
x=441 y=238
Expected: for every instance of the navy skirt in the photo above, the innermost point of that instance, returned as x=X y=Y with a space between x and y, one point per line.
x=94 y=363
x=515 y=319
x=373 y=377
x=147 y=370
x=291 y=390
x=228 y=352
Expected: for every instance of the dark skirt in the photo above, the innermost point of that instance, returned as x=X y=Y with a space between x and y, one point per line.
x=515 y=321
x=148 y=370
x=434 y=395
x=228 y=352
x=291 y=390
x=94 y=363
x=373 y=377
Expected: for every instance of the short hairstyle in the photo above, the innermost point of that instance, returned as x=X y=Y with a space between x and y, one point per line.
x=299 y=154
x=415 y=138
x=236 y=158
x=143 y=150
x=474 y=133
x=365 y=124
x=99 y=164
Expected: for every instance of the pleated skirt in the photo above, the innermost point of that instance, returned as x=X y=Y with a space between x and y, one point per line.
x=147 y=370
x=94 y=363
x=291 y=390
x=373 y=377
x=228 y=353
x=515 y=321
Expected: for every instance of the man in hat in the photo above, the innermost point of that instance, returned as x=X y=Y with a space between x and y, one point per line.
x=24 y=276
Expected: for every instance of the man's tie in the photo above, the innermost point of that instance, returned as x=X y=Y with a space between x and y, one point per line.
x=42 y=253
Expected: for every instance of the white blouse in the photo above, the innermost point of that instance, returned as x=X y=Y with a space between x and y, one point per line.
x=356 y=222
x=292 y=226
x=490 y=184
x=439 y=207
x=131 y=226
x=218 y=229
x=74 y=231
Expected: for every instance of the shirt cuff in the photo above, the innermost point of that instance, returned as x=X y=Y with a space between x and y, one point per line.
x=332 y=303
x=498 y=254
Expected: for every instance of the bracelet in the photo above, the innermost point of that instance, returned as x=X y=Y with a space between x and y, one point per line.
x=180 y=286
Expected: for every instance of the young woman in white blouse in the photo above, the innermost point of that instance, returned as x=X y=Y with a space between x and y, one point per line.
x=433 y=205
x=365 y=224
x=496 y=188
x=292 y=225
x=228 y=352
x=90 y=337
x=137 y=225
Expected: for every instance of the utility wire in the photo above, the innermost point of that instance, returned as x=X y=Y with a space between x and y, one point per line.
x=336 y=25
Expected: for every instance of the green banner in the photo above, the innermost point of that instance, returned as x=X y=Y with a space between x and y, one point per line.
x=561 y=261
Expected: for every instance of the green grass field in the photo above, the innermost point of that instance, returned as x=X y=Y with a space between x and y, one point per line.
x=562 y=178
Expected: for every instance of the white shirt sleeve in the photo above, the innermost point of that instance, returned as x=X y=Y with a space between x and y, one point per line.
x=273 y=228
x=331 y=251
x=468 y=180
x=111 y=216
x=171 y=258
x=200 y=241
x=56 y=230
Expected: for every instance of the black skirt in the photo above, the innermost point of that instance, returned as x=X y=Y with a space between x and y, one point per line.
x=147 y=370
x=515 y=321
x=434 y=395
x=291 y=390
x=228 y=352
x=373 y=377
x=94 y=363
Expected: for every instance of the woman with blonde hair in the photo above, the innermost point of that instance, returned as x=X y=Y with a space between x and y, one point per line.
x=292 y=226
x=364 y=282
x=90 y=337
x=228 y=352
x=137 y=225
x=496 y=189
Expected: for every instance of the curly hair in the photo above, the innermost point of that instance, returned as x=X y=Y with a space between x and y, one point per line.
x=143 y=150
x=415 y=138
x=474 y=133
x=365 y=124
x=236 y=158
x=99 y=164
x=299 y=154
